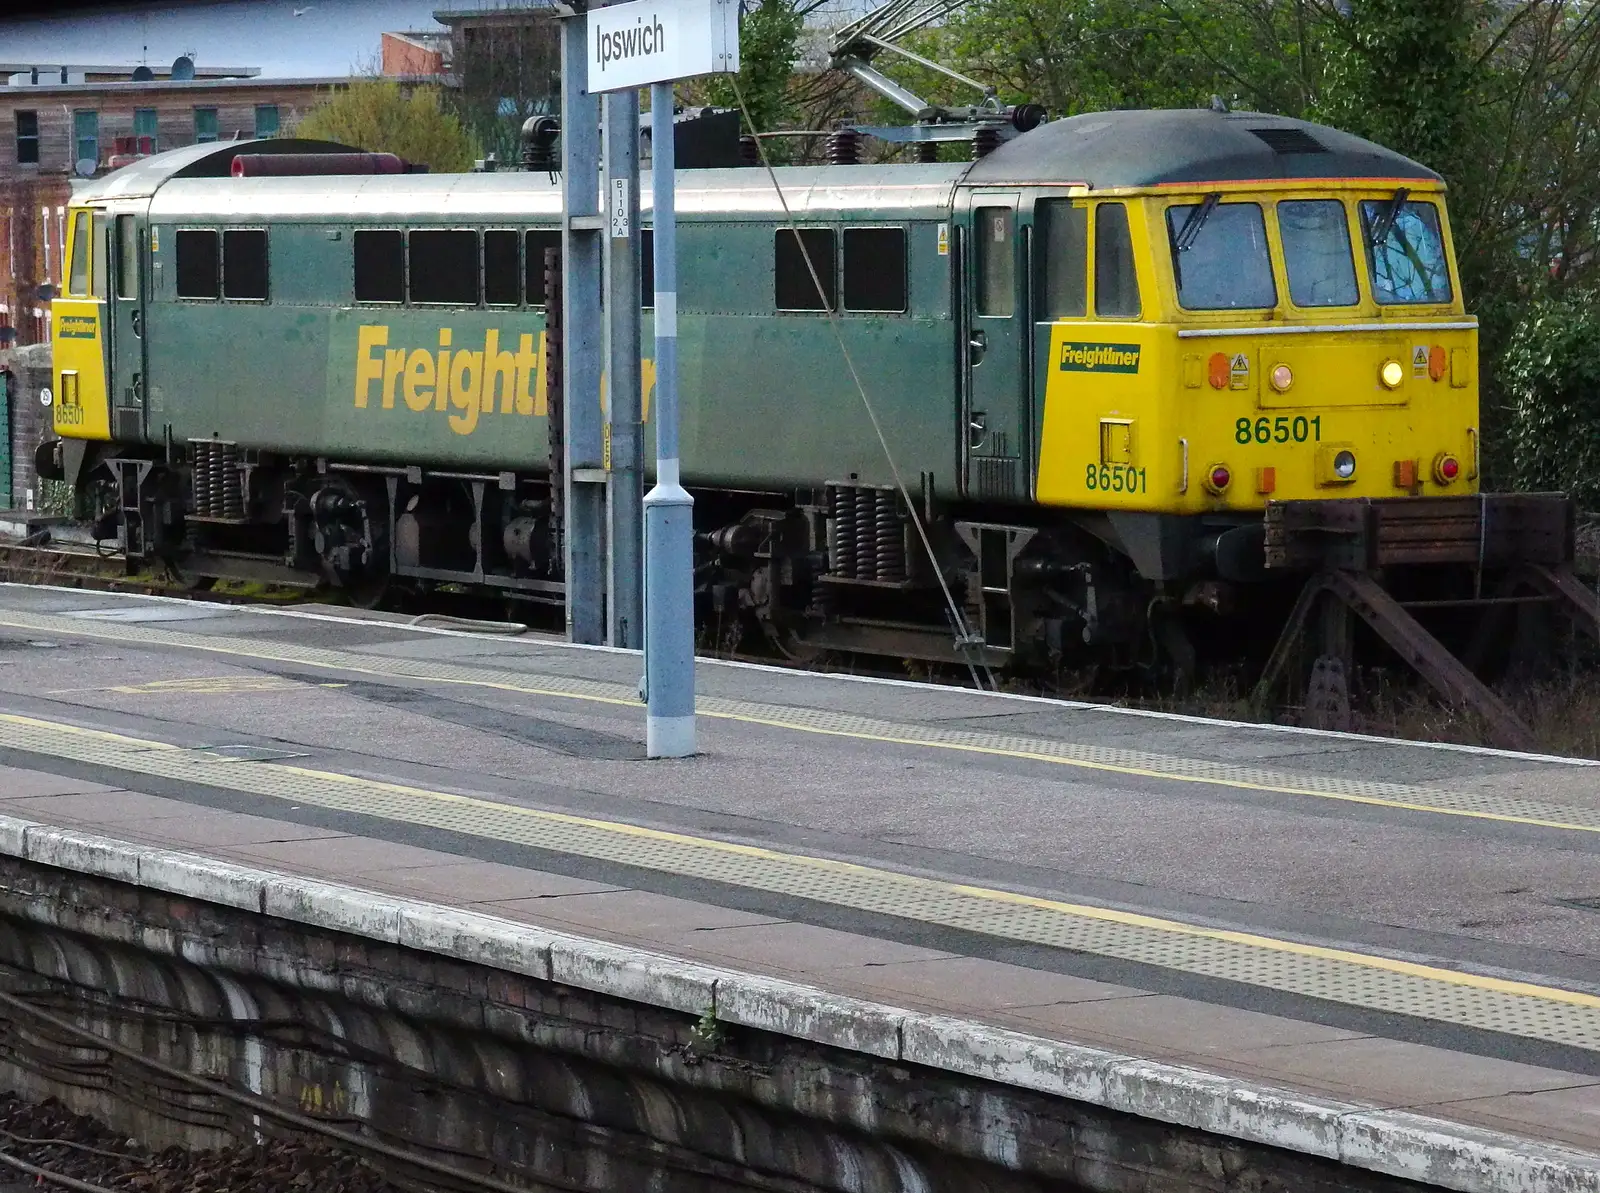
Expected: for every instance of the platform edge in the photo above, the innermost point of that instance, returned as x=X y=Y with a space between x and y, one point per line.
x=1392 y=1142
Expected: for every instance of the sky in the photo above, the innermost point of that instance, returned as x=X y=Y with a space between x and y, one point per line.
x=331 y=37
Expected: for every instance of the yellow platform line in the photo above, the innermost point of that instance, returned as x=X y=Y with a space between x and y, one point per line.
x=911 y=884
x=709 y=708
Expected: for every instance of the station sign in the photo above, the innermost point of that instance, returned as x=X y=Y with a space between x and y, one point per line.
x=660 y=41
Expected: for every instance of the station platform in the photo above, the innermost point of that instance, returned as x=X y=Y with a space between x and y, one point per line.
x=1401 y=936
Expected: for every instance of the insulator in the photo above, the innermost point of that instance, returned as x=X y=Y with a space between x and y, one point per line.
x=749 y=151
x=927 y=151
x=984 y=142
x=866 y=535
x=844 y=147
x=842 y=550
x=891 y=538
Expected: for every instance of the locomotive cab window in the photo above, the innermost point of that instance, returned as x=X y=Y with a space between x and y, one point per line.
x=442 y=267
x=380 y=266
x=1220 y=256
x=536 y=242
x=794 y=287
x=1116 y=281
x=996 y=261
x=875 y=269
x=244 y=264
x=101 y=265
x=1063 y=260
x=1405 y=251
x=78 y=272
x=1316 y=253
x=502 y=269
x=199 y=264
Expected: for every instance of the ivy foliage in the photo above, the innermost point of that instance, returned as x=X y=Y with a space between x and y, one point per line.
x=1550 y=377
x=380 y=116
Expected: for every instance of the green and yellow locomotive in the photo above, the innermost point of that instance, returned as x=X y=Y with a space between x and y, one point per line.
x=1100 y=351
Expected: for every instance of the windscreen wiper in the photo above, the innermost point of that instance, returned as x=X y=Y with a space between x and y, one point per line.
x=1184 y=240
x=1386 y=218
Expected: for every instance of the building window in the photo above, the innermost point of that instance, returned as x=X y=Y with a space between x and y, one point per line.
x=380 y=266
x=28 y=138
x=86 y=137
x=244 y=263
x=794 y=288
x=443 y=267
x=197 y=264
x=205 y=124
x=144 y=126
x=875 y=269
x=266 y=120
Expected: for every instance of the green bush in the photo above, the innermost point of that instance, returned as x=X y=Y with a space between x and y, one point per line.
x=1550 y=380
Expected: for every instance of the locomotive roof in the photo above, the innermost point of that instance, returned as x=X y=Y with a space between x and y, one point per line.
x=1103 y=150
x=1107 y=150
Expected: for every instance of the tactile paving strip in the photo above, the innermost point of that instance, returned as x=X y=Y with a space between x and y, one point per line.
x=1138 y=763
x=1364 y=980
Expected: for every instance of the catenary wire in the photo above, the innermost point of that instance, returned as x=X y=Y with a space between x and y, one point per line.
x=963 y=633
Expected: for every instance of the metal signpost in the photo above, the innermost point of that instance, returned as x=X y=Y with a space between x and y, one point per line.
x=585 y=498
x=653 y=43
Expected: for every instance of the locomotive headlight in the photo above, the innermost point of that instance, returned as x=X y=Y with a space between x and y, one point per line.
x=1282 y=378
x=1344 y=464
x=1392 y=373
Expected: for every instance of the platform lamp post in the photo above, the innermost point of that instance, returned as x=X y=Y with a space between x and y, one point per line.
x=655 y=43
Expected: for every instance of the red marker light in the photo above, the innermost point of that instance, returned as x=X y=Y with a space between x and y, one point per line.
x=1446 y=469
x=1219 y=479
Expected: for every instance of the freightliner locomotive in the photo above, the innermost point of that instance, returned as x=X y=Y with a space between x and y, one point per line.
x=1097 y=353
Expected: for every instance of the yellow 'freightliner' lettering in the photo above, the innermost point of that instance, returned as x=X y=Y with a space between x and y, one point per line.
x=462 y=381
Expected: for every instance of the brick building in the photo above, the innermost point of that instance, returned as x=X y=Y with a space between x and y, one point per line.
x=415 y=55
x=55 y=132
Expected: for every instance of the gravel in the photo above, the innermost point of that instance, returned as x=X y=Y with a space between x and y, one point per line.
x=103 y=1157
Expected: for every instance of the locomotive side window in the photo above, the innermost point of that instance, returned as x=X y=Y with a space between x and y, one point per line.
x=102 y=263
x=997 y=261
x=1405 y=251
x=875 y=269
x=244 y=263
x=1063 y=285
x=380 y=266
x=1220 y=256
x=127 y=258
x=501 y=269
x=1316 y=253
x=443 y=267
x=793 y=286
x=537 y=241
x=1116 y=282
x=198 y=264
x=78 y=274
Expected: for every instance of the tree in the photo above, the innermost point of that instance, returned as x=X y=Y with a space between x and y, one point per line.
x=380 y=116
x=769 y=46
